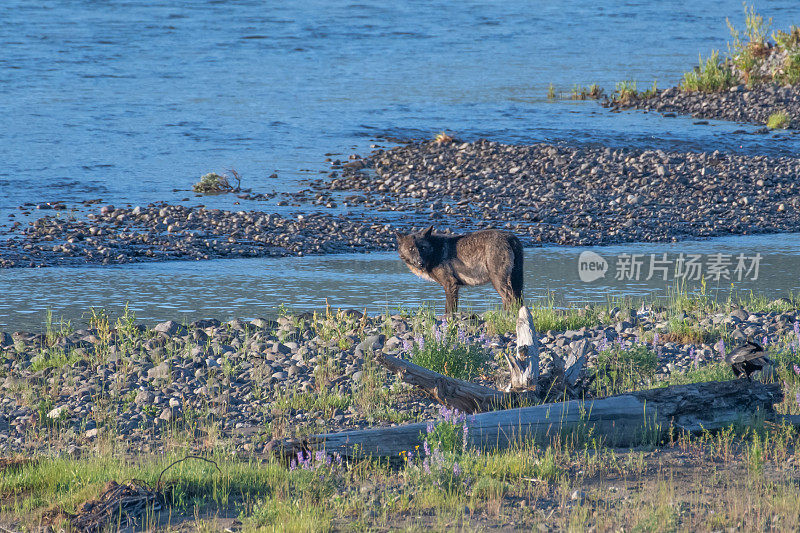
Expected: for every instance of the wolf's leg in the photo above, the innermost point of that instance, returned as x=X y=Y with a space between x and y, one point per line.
x=451 y=293
x=502 y=284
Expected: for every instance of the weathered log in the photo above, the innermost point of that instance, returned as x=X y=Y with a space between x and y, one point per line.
x=463 y=395
x=622 y=420
x=524 y=365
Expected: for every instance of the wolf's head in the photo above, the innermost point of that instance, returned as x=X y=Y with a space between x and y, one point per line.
x=416 y=249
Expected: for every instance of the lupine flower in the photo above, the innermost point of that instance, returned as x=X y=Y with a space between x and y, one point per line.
x=407 y=345
x=464 y=436
x=457 y=469
x=655 y=339
x=797 y=328
x=430 y=428
x=797 y=398
x=797 y=369
x=721 y=348
x=695 y=356
x=292 y=466
x=764 y=341
x=320 y=457
x=427 y=448
x=462 y=336
x=437 y=334
x=603 y=345
x=445 y=413
x=426 y=466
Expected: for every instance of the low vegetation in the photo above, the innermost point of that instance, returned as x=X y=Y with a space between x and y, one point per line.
x=213 y=183
x=626 y=92
x=711 y=481
x=753 y=59
x=779 y=121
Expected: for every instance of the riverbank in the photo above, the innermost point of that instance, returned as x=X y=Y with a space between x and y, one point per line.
x=252 y=381
x=756 y=83
x=543 y=193
x=737 y=104
x=137 y=394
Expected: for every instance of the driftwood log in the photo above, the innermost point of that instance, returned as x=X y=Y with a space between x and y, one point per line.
x=524 y=365
x=623 y=420
x=526 y=386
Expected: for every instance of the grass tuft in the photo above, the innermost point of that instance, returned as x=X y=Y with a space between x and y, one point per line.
x=213 y=183
x=710 y=76
x=779 y=121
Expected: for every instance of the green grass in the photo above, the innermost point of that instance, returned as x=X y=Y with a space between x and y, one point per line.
x=626 y=92
x=779 y=121
x=213 y=183
x=669 y=488
x=710 y=76
x=443 y=350
x=546 y=317
x=592 y=92
x=625 y=369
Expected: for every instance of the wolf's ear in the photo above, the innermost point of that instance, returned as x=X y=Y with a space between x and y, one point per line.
x=399 y=236
x=427 y=232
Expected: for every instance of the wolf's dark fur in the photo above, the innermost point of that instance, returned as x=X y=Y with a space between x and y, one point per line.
x=489 y=256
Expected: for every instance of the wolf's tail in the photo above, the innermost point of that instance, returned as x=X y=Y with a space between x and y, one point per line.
x=517 y=271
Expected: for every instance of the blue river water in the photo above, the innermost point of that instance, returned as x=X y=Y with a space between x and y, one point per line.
x=130 y=101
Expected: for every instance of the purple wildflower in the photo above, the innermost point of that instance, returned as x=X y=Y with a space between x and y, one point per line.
x=797 y=328
x=304 y=461
x=797 y=398
x=457 y=469
x=292 y=466
x=603 y=345
x=320 y=457
x=462 y=336
x=695 y=356
x=426 y=466
x=420 y=341
x=797 y=369
x=464 y=435
x=427 y=448
x=721 y=348
x=338 y=458
x=655 y=339
x=445 y=413
x=430 y=428
x=765 y=340
x=410 y=455
x=407 y=345
x=437 y=334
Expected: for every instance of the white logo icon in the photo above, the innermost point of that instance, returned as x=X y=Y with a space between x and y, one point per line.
x=591 y=266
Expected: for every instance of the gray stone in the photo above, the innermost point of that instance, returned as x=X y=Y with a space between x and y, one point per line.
x=161 y=371
x=740 y=315
x=170 y=327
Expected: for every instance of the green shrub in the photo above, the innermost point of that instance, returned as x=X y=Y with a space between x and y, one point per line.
x=621 y=369
x=216 y=183
x=779 y=121
x=626 y=92
x=447 y=352
x=711 y=76
x=790 y=73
